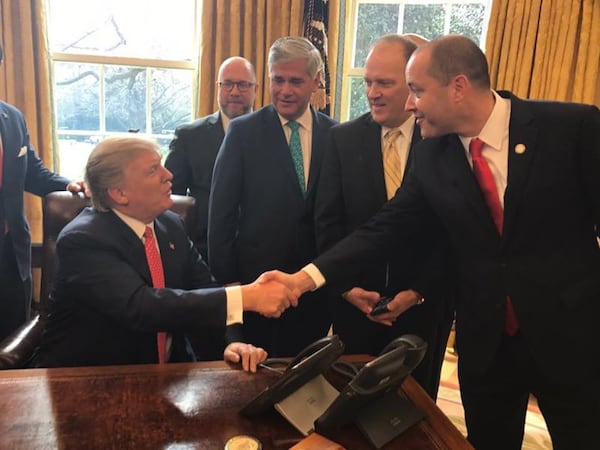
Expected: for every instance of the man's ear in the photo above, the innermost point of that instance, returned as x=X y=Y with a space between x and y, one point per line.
x=117 y=196
x=460 y=85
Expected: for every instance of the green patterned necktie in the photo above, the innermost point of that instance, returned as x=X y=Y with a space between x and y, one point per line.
x=296 y=150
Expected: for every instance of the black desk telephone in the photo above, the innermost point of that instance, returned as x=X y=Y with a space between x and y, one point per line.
x=310 y=362
x=374 y=380
x=369 y=400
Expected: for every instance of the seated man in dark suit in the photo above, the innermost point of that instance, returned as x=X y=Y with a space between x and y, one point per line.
x=123 y=297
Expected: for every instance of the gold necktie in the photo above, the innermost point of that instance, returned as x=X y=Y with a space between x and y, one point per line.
x=392 y=167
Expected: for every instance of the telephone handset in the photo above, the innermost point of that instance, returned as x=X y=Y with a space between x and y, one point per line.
x=374 y=380
x=309 y=363
x=415 y=349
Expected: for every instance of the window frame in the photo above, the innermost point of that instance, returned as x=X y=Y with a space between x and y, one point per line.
x=148 y=64
x=350 y=20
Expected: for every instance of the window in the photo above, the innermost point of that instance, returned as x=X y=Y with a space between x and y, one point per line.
x=120 y=66
x=366 y=20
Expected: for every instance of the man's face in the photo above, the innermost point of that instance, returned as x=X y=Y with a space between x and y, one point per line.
x=429 y=100
x=146 y=187
x=235 y=99
x=291 y=87
x=385 y=84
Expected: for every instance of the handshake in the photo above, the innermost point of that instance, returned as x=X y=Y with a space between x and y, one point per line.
x=275 y=291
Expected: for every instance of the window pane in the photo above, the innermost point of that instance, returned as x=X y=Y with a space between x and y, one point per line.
x=358 y=98
x=125 y=98
x=171 y=99
x=373 y=20
x=425 y=20
x=467 y=19
x=131 y=28
x=77 y=93
x=74 y=152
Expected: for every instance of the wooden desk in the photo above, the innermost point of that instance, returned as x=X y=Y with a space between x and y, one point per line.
x=174 y=406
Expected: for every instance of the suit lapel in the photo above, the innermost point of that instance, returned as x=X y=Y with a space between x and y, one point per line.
x=370 y=149
x=167 y=249
x=130 y=245
x=522 y=133
x=318 y=145
x=275 y=139
x=416 y=138
x=462 y=178
x=215 y=132
x=7 y=144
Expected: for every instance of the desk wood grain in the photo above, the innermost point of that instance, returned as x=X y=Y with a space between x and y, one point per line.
x=173 y=406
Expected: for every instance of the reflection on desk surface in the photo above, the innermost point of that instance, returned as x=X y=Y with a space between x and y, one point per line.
x=190 y=405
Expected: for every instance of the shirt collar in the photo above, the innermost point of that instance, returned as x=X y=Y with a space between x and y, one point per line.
x=136 y=225
x=224 y=120
x=495 y=128
x=305 y=120
x=407 y=127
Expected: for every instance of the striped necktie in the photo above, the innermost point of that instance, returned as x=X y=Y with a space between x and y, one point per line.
x=392 y=166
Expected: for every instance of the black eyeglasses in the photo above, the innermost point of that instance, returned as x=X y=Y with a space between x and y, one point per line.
x=242 y=86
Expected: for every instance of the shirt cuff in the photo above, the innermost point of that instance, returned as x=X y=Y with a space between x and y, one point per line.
x=315 y=274
x=235 y=306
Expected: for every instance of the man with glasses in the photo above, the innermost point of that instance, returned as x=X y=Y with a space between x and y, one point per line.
x=195 y=146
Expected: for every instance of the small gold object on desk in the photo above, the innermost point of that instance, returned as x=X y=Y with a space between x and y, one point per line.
x=243 y=442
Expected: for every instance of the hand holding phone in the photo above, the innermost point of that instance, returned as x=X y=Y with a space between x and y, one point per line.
x=381 y=306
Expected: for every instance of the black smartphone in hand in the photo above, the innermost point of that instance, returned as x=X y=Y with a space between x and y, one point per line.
x=381 y=306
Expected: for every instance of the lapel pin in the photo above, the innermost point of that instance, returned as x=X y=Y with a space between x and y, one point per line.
x=4 y=115
x=171 y=246
x=520 y=149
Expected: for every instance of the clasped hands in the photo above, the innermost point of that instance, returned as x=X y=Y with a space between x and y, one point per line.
x=273 y=292
x=285 y=289
x=366 y=300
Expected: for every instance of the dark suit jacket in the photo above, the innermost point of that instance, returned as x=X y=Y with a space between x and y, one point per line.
x=23 y=171
x=191 y=159
x=351 y=190
x=547 y=259
x=260 y=220
x=103 y=309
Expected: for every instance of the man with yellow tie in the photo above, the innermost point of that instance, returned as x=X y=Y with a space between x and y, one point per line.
x=362 y=169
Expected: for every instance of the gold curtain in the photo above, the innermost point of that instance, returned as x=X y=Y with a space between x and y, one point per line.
x=25 y=82
x=546 y=49
x=242 y=28
x=333 y=35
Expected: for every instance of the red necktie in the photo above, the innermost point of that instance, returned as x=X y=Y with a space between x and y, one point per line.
x=158 y=281
x=490 y=193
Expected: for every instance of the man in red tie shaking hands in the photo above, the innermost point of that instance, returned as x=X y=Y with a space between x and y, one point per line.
x=521 y=209
x=129 y=283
